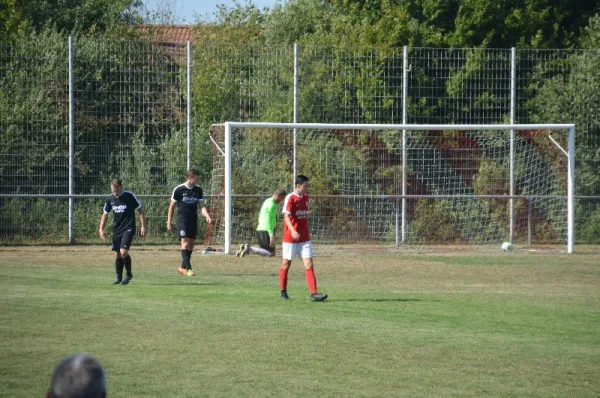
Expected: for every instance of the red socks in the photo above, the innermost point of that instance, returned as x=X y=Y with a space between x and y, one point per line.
x=311 y=280
x=283 y=278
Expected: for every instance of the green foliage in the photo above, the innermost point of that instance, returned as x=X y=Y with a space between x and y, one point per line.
x=389 y=23
x=154 y=109
x=521 y=23
x=300 y=21
x=438 y=213
x=260 y=168
x=573 y=96
x=492 y=178
x=588 y=229
x=33 y=133
x=252 y=80
x=87 y=219
x=590 y=37
x=81 y=17
x=146 y=168
x=465 y=96
x=11 y=18
x=139 y=130
x=433 y=23
x=25 y=221
x=393 y=177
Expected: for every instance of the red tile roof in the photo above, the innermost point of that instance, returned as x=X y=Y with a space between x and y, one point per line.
x=169 y=33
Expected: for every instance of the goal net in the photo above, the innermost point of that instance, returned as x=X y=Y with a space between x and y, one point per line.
x=399 y=185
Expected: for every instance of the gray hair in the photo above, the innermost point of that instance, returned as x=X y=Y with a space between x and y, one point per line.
x=78 y=376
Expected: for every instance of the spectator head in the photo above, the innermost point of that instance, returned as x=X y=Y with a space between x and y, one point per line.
x=78 y=376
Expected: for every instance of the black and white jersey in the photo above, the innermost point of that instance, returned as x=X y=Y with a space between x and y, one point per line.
x=187 y=200
x=123 y=208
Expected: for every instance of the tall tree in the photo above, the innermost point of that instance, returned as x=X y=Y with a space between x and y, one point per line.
x=521 y=23
x=440 y=23
x=82 y=16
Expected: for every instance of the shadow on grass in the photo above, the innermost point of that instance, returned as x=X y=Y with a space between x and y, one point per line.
x=380 y=300
x=248 y=274
x=187 y=284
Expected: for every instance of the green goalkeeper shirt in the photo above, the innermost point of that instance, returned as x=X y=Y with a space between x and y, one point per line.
x=267 y=218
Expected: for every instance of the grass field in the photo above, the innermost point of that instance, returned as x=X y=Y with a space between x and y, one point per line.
x=469 y=324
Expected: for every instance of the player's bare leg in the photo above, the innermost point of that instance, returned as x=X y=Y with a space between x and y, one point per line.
x=283 y=273
x=311 y=281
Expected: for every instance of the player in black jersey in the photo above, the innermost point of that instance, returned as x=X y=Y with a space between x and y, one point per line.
x=187 y=197
x=123 y=205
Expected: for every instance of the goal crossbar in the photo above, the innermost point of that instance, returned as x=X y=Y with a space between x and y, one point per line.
x=412 y=127
x=404 y=127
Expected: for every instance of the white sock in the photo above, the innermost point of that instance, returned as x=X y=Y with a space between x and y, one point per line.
x=260 y=251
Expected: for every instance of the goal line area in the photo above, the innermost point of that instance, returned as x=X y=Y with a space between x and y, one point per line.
x=409 y=187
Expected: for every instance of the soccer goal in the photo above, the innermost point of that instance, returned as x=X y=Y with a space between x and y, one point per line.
x=400 y=185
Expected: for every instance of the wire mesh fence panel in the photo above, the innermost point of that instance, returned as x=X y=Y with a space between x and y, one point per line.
x=469 y=86
x=87 y=217
x=232 y=82
x=131 y=109
x=555 y=86
x=562 y=85
x=130 y=112
x=349 y=85
x=34 y=116
x=28 y=220
x=33 y=125
x=242 y=83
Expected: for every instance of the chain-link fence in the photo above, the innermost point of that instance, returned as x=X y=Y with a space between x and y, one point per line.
x=132 y=114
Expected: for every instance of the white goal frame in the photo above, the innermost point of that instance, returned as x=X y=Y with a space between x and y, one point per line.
x=570 y=153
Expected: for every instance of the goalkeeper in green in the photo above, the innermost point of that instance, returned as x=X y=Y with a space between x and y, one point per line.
x=265 y=231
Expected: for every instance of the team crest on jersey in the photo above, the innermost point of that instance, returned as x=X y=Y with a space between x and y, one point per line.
x=181 y=233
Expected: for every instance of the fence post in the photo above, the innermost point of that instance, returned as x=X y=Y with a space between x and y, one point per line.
x=295 y=109
x=189 y=105
x=529 y=209
x=397 y=221
x=513 y=77
x=404 y=151
x=571 y=193
x=71 y=146
x=228 y=199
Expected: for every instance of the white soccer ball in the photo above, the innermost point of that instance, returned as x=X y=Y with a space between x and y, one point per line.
x=507 y=246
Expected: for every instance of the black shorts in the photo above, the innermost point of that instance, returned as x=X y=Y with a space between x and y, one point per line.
x=122 y=241
x=187 y=229
x=264 y=241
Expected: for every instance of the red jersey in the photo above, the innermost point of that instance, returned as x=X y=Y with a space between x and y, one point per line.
x=297 y=207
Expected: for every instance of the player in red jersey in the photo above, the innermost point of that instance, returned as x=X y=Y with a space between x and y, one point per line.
x=296 y=239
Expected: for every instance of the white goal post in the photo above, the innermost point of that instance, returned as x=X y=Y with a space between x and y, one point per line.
x=399 y=132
